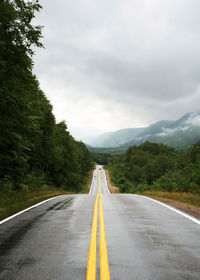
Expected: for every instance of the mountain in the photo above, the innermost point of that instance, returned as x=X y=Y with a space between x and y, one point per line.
x=179 y=134
x=115 y=138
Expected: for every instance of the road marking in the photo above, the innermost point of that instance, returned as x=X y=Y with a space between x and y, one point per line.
x=99 y=183
x=104 y=266
x=27 y=209
x=93 y=188
x=92 y=256
x=175 y=210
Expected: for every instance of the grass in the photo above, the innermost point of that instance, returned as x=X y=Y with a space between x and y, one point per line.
x=13 y=202
x=189 y=198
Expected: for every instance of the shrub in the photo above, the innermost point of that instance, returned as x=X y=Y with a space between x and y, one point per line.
x=6 y=185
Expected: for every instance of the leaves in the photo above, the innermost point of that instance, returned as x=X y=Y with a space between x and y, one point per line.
x=157 y=167
x=34 y=150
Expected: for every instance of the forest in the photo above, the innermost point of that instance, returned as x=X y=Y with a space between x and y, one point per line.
x=157 y=167
x=35 y=151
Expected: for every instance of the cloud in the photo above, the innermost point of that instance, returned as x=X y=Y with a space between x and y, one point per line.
x=172 y=131
x=194 y=119
x=115 y=64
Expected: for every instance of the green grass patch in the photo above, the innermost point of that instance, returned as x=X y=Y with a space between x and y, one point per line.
x=15 y=201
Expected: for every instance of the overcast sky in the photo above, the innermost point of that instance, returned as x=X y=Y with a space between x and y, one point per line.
x=112 y=64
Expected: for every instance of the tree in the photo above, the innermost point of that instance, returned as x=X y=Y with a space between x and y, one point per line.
x=34 y=150
x=17 y=37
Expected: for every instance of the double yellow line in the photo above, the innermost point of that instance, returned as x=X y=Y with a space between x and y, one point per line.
x=92 y=256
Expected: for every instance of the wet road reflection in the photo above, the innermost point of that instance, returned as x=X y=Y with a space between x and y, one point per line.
x=144 y=239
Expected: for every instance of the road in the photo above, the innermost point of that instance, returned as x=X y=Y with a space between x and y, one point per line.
x=144 y=240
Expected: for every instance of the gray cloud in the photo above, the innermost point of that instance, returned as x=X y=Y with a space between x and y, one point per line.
x=114 y=64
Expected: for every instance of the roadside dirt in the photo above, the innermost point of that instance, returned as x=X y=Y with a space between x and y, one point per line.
x=190 y=209
x=112 y=189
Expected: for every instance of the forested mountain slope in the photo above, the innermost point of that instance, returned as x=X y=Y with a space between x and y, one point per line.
x=34 y=149
x=179 y=134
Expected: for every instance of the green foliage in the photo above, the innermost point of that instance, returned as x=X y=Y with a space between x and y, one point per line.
x=102 y=158
x=35 y=179
x=153 y=166
x=70 y=159
x=6 y=185
x=34 y=150
x=17 y=36
x=110 y=151
x=172 y=181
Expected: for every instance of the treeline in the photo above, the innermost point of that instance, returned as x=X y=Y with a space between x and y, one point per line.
x=102 y=158
x=152 y=166
x=34 y=150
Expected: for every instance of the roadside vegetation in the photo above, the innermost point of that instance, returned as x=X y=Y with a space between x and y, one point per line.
x=35 y=151
x=160 y=172
x=157 y=167
x=15 y=201
x=183 y=197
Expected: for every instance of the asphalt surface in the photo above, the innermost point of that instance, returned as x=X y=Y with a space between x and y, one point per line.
x=145 y=240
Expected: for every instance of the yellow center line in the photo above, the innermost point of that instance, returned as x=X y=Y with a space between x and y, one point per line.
x=92 y=256
x=104 y=266
x=99 y=183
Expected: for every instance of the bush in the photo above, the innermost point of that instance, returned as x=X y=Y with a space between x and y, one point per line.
x=143 y=187
x=6 y=185
x=36 y=179
x=172 y=181
x=127 y=187
x=194 y=188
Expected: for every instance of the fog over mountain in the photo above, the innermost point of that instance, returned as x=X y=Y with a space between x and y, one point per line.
x=179 y=134
x=115 y=138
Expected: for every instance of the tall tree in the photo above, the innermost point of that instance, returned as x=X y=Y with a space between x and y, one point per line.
x=32 y=145
x=17 y=36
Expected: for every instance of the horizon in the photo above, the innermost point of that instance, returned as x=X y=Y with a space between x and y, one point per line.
x=104 y=73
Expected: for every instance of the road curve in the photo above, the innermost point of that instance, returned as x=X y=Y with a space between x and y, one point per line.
x=145 y=240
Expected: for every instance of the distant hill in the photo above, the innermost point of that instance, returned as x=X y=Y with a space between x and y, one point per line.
x=179 y=134
x=115 y=138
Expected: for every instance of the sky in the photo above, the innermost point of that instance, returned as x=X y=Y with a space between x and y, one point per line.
x=116 y=64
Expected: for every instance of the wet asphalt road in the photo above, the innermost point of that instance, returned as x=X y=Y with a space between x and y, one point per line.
x=145 y=240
